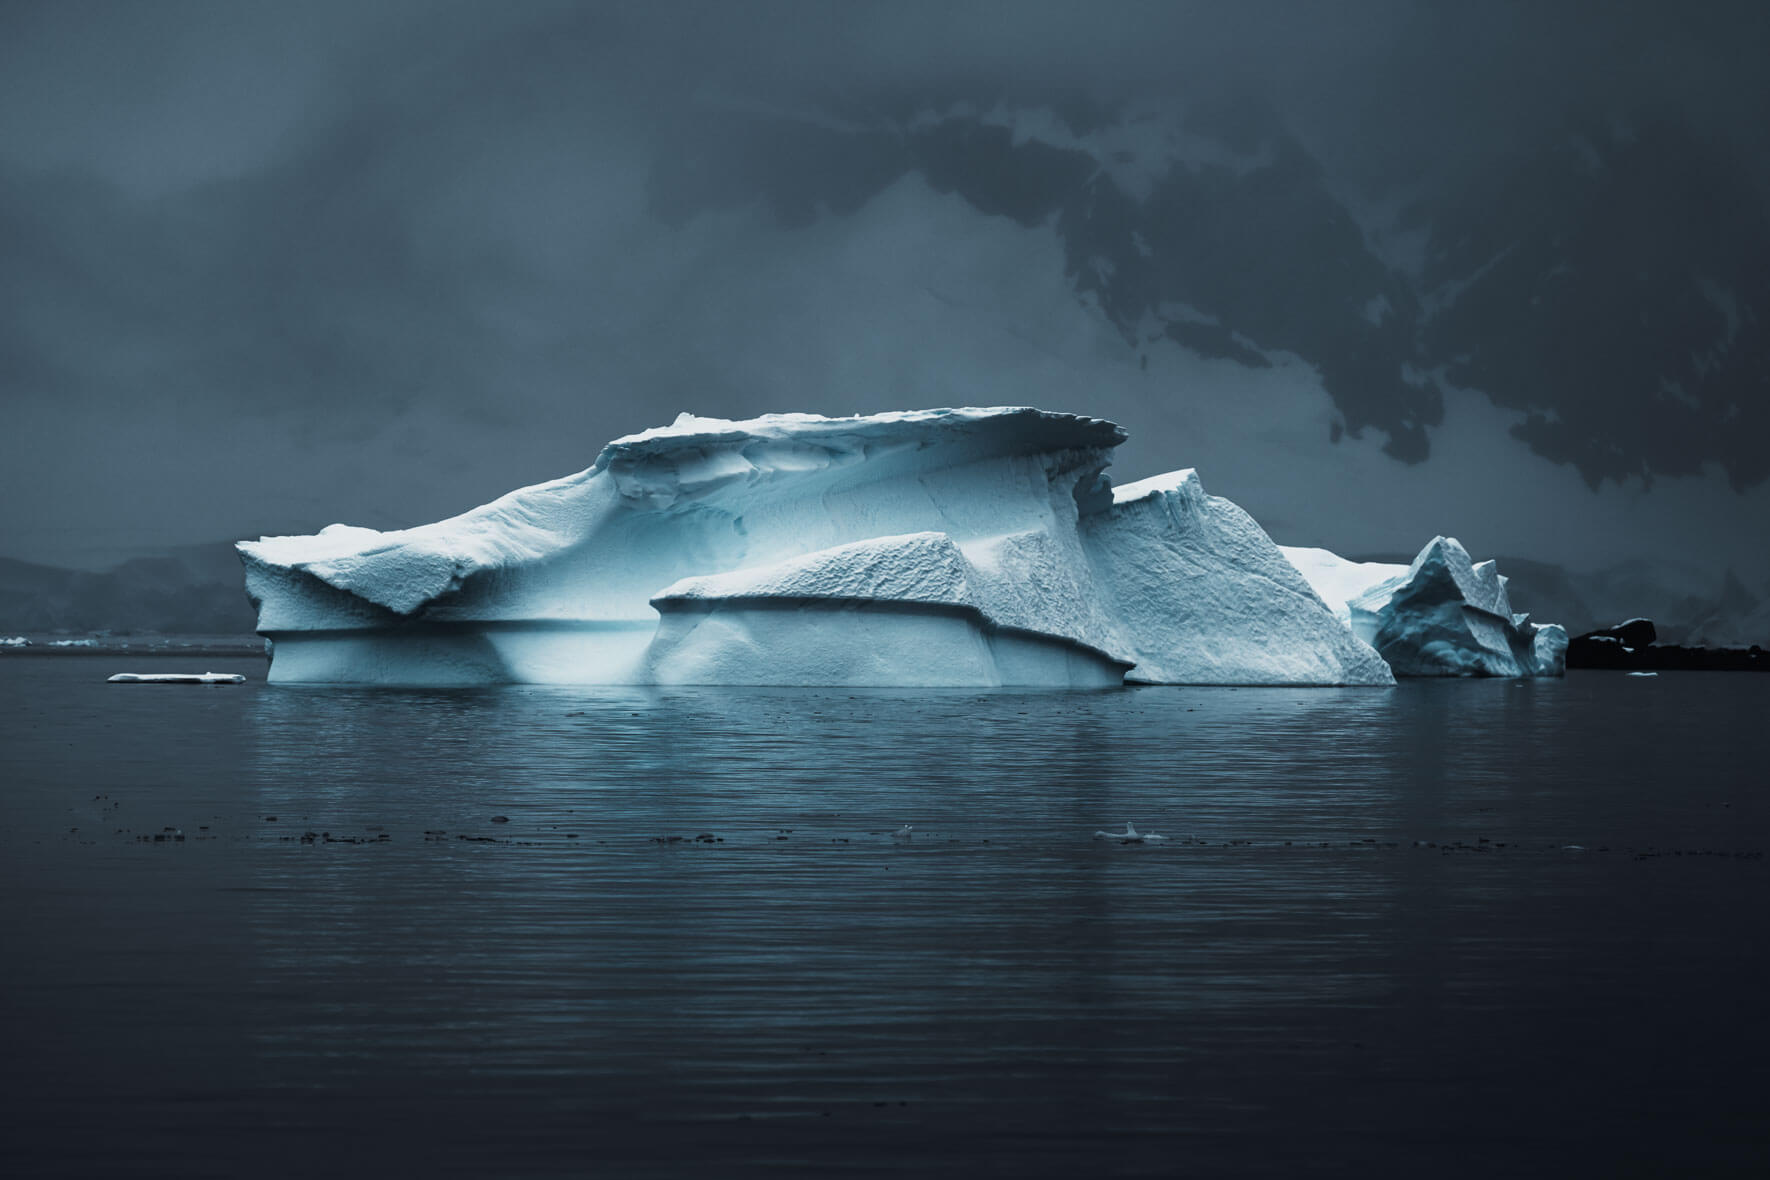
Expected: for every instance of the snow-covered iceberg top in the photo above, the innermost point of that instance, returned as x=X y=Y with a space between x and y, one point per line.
x=969 y=546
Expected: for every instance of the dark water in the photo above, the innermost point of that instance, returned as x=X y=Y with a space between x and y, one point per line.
x=1288 y=986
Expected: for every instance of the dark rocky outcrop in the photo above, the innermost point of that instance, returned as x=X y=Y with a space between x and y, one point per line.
x=1631 y=647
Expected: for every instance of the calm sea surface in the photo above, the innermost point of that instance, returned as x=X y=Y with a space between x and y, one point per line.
x=1365 y=946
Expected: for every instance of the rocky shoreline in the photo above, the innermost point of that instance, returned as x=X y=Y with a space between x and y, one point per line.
x=1632 y=647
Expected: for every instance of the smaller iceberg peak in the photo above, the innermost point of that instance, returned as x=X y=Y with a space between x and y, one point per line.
x=1441 y=615
x=1480 y=584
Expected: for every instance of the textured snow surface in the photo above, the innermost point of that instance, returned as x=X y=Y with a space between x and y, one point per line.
x=975 y=546
x=888 y=610
x=1203 y=595
x=925 y=568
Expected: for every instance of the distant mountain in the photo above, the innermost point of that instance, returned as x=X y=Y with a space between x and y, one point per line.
x=197 y=589
x=1686 y=605
x=1206 y=224
x=1737 y=617
x=1608 y=281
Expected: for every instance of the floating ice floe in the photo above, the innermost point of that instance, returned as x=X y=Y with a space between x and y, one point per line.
x=176 y=678
x=1130 y=836
x=955 y=547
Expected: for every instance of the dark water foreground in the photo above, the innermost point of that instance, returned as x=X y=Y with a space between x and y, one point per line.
x=384 y=980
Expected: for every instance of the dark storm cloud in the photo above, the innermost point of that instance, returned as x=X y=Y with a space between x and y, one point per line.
x=347 y=271
x=333 y=214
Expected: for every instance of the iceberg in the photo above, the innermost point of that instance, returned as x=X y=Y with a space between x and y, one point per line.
x=970 y=547
x=1443 y=615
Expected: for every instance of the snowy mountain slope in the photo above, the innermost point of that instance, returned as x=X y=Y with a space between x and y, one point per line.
x=1621 y=265
x=1208 y=226
x=193 y=589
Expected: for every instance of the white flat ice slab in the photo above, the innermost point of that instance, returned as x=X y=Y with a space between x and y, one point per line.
x=176 y=678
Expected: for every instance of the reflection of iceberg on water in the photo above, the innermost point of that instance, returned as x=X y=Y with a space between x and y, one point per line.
x=966 y=547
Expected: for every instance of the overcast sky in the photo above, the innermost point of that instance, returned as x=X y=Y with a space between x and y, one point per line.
x=267 y=266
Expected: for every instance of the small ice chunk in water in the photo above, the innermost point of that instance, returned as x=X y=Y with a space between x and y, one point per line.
x=1130 y=836
x=177 y=678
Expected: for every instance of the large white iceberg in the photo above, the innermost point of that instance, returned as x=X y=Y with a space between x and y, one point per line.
x=968 y=547
x=1443 y=615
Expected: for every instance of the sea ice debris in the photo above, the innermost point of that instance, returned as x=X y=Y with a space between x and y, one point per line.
x=1130 y=836
x=176 y=678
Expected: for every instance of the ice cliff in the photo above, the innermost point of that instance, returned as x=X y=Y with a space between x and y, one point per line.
x=968 y=547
